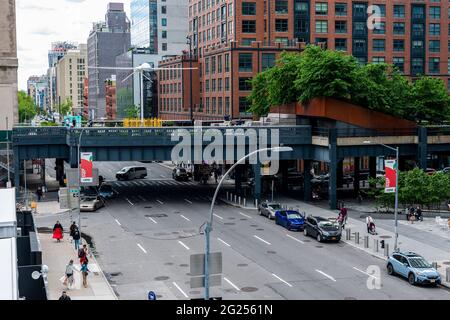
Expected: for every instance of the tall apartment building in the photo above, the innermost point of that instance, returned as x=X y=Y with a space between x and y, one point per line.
x=38 y=90
x=235 y=39
x=8 y=65
x=70 y=75
x=106 y=41
x=110 y=96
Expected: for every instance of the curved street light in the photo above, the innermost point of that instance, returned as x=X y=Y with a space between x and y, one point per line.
x=209 y=223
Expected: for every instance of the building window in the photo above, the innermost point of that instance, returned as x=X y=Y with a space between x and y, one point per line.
x=213 y=105
x=207 y=105
x=418 y=12
x=448 y=66
x=248 y=8
x=321 y=8
x=243 y=105
x=227 y=106
x=376 y=60
x=227 y=84
x=207 y=86
x=359 y=28
x=281 y=25
x=164 y=46
x=340 y=9
x=340 y=26
x=435 y=29
x=164 y=22
x=219 y=84
x=163 y=9
x=248 y=26
x=219 y=64
x=220 y=105
x=417 y=66
x=164 y=34
x=206 y=65
x=382 y=8
x=281 y=6
x=227 y=62
x=245 y=62
x=282 y=40
x=213 y=65
x=399 y=62
x=247 y=41
x=321 y=26
x=435 y=12
x=359 y=45
x=399 y=45
x=267 y=61
x=434 y=46
x=340 y=44
x=433 y=66
x=245 y=84
x=399 y=11
x=379 y=45
x=399 y=28
x=380 y=28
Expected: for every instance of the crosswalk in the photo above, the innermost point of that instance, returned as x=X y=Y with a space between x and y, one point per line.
x=140 y=199
x=148 y=183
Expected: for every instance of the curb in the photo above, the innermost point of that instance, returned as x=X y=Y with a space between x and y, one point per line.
x=236 y=205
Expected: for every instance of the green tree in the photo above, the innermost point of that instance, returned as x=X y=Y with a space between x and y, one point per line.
x=27 y=108
x=132 y=112
x=430 y=100
x=259 y=97
x=65 y=107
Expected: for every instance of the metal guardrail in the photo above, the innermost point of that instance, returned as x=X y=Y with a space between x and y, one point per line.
x=361 y=132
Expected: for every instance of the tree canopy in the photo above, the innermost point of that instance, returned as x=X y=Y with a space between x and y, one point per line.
x=132 y=112
x=27 y=108
x=316 y=72
x=65 y=107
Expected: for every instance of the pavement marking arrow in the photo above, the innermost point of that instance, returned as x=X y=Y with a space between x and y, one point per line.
x=370 y=275
x=190 y=202
x=326 y=275
x=231 y=284
x=187 y=219
x=142 y=248
x=224 y=242
x=152 y=220
x=117 y=221
x=295 y=239
x=242 y=214
x=185 y=246
x=260 y=239
x=290 y=285
x=181 y=290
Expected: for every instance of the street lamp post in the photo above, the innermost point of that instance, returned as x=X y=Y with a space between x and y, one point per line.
x=189 y=41
x=396 y=149
x=79 y=178
x=209 y=223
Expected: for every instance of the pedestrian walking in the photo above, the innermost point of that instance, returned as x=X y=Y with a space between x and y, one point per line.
x=342 y=218
x=58 y=231
x=419 y=214
x=69 y=275
x=370 y=225
x=84 y=271
x=412 y=215
x=76 y=238
x=83 y=253
x=64 y=297
x=39 y=193
x=216 y=174
x=73 y=226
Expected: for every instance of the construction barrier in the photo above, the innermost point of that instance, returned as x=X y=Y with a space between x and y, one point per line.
x=148 y=123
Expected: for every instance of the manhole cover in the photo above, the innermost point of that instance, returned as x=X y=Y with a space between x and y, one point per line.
x=319 y=246
x=249 y=289
x=259 y=229
x=162 y=234
x=84 y=218
x=112 y=237
x=169 y=264
x=147 y=207
x=242 y=265
x=194 y=292
x=254 y=225
x=156 y=215
x=231 y=218
x=115 y=274
x=271 y=252
x=175 y=232
x=385 y=237
x=306 y=240
x=161 y=278
x=229 y=224
x=243 y=219
x=138 y=234
x=447 y=263
x=350 y=298
x=176 y=212
x=184 y=265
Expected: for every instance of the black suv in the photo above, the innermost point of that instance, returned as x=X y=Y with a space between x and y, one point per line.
x=322 y=229
x=180 y=174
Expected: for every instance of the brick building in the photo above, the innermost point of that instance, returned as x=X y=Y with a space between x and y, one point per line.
x=110 y=98
x=235 y=39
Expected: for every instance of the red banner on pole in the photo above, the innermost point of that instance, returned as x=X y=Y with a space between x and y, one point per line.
x=87 y=167
x=391 y=175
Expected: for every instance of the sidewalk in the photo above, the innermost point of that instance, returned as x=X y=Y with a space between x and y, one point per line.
x=56 y=256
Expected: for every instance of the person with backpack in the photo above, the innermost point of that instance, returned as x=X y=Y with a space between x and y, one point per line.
x=76 y=236
x=82 y=254
x=84 y=271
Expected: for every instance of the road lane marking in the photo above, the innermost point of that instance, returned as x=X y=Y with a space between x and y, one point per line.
x=242 y=214
x=184 y=217
x=162 y=176
x=326 y=275
x=160 y=202
x=370 y=275
x=216 y=215
x=185 y=246
x=178 y=287
x=224 y=242
x=231 y=284
x=260 y=239
x=293 y=238
x=129 y=201
x=290 y=285
x=117 y=221
x=190 y=202
x=153 y=220
x=142 y=248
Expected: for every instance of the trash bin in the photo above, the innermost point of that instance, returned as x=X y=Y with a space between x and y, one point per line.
x=382 y=244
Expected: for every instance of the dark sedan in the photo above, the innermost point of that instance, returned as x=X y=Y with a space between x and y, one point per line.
x=322 y=229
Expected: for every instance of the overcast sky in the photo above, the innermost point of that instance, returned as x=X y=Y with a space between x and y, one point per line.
x=39 y=23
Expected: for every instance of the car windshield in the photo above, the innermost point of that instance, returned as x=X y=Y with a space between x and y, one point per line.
x=328 y=225
x=419 y=263
x=123 y=170
x=106 y=188
x=89 y=199
x=275 y=206
x=294 y=216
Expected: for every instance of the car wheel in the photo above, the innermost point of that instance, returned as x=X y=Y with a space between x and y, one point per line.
x=411 y=279
x=319 y=238
x=276 y=222
x=305 y=232
x=390 y=270
x=260 y=212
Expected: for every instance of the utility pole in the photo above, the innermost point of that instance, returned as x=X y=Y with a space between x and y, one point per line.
x=189 y=41
x=8 y=185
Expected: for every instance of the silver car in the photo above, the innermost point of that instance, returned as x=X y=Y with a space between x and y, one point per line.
x=91 y=203
x=268 y=209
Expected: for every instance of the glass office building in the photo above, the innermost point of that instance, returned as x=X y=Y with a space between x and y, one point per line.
x=144 y=27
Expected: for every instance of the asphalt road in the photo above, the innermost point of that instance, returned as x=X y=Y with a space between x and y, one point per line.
x=144 y=239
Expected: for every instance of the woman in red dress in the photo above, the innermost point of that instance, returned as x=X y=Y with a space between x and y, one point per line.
x=58 y=231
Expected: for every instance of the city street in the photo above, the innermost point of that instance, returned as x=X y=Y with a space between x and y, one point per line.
x=144 y=238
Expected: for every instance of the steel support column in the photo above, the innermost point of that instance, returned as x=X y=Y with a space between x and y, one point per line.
x=357 y=176
x=422 y=148
x=307 y=180
x=238 y=179
x=332 y=193
x=340 y=173
x=257 y=183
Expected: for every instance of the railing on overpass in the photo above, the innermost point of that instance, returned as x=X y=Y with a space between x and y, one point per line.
x=362 y=132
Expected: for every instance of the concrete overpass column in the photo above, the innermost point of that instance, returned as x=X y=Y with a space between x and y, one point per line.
x=284 y=175
x=340 y=173
x=257 y=184
x=73 y=157
x=422 y=148
x=372 y=168
x=356 y=180
x=307 y=180
x=59 y=168
x=238 y=179
x=332 y=193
